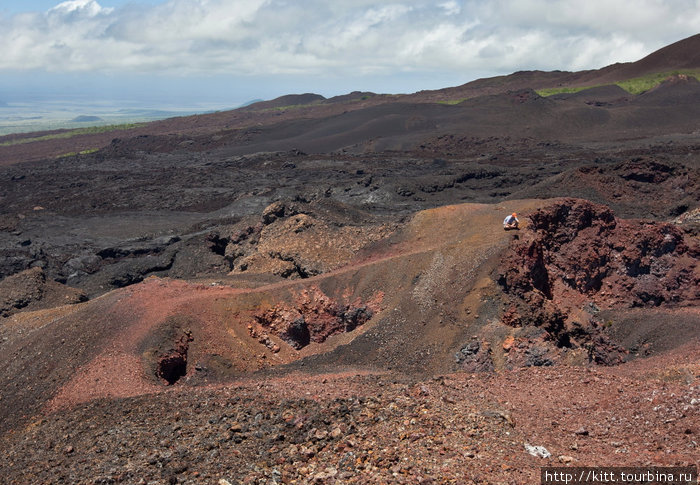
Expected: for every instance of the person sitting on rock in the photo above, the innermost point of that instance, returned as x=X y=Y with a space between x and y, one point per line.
x=511 y=222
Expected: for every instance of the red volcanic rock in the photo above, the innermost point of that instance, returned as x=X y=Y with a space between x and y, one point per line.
x=574 y=259
x=313 y=318
x=577 y=248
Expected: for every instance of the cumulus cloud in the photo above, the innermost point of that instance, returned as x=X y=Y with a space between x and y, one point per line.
x=87 y=8
x=341 y=38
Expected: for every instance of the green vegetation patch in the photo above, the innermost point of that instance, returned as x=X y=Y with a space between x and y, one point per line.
x=636 y=85
x=291 y=106
x=551 y=91
x=639 y=85
x=92 y=130
x=451 y=102
x=285 y=108
x=83 y=152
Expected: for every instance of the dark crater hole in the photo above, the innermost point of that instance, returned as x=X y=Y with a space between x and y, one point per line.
x=172 y=367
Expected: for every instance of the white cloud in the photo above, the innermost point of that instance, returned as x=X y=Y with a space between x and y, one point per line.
x=451 y=7
x=341 y=38
x=89 y=8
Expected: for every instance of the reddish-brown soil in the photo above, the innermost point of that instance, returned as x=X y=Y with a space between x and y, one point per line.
x=373 y=429
x=326 y=294
x=440 y=296
x=109 y=345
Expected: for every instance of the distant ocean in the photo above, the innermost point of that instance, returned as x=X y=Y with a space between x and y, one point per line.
x=51 y=114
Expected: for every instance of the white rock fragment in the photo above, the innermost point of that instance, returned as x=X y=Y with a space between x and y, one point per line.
x=539 y=451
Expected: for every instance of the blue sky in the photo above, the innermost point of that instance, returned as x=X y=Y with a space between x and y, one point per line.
x=231 y=51
x=17 y=6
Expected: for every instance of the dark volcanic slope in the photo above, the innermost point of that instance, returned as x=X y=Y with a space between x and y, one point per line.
x=156 y=205
x=520 y=114
x=679 y=55
x=684 y=54
x=244 y=124
x=229 y=259
x=162 y=203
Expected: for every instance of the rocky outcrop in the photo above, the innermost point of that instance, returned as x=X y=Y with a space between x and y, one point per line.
x=475 y=356
x=312 y=318
x=576 y=258
x=30 y=290
x=296 y=241
x=579 y=248
x=657 y=185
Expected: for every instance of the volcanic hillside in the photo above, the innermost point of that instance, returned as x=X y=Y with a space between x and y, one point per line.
x=413 y=118
x=312 y=290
